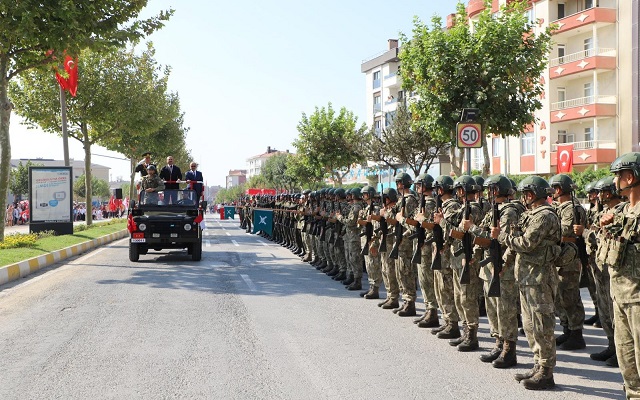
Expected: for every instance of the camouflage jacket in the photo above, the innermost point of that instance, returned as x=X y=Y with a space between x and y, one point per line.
x=476 y=215
x=509 y=216
x=623 y=256
x=369 y=209
x=535 y=243
x=568 y=259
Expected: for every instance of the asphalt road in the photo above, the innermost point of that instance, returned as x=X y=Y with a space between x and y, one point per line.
x=250 y=321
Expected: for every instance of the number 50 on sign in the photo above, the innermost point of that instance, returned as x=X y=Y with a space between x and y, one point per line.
x=469 y=135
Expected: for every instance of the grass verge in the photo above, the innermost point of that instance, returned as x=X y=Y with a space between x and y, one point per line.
x=52 y=243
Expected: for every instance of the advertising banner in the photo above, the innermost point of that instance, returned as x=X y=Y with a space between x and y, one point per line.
x=50 y=194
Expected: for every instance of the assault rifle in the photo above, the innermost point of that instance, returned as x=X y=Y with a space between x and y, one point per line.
x=368 y=231
x=382 y=248
x=437 y=238
x=420 y=233
x=495 y=254
x=581 y=244
x=467 y=244
x=398 y=232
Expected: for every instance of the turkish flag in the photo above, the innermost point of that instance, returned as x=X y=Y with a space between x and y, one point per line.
x=71 y=82
x=564 y=163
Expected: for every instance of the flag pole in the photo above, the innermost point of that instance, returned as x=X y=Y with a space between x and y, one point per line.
x=63 y=116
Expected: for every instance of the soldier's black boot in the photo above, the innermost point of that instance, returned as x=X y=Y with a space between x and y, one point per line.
x=327 y=268
x=470 y=343
x=382 y=303
x=575 y=341
x=593 y=319
x=612 y=361
x=392 y=304
x=451 y=331
x=457 y=340
x=542 y=380
x=374 y=293
x=420 y=318
x=440 y=328
x=342 y=275
x=409 y=310
x=356 y=284
x=431 y=320
x=527 y=374
x=494 y=353
x=399 y=307
x=508 y=357
x=563 y=338
x=349 y=280
x=335 y=271
x=605 y=354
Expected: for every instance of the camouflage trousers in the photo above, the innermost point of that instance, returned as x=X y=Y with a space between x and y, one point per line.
x=326 y=247
x=502 y=312
x=374 y=269
x=407 y=273
x=308 y=244
x=593 y=290
x=627 y=336
x=466 y=296
x=389 y=276
x=443 y=286
x=319 y=248
x=538 y=320
x=339 y=256
x=569 y=307
x=426 y=279
x=603 y=296
x=354 y=258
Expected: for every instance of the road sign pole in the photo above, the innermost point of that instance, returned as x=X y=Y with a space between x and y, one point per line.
x=468 y=160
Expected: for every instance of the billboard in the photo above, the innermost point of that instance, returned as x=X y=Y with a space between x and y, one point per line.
x=50 y=194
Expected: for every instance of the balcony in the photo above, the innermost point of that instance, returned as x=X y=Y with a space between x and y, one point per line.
x=475 y=7
x=587 y=60
x=588 y=152
x=584 y=107
x=391 y=80
x=594 y=15
x=377 y=108
x=390 y=102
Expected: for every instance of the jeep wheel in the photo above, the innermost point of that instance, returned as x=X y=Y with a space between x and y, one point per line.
x=196 y=251
x=134 y=254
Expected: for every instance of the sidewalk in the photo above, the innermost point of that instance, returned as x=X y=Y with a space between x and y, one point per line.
x=11 y=230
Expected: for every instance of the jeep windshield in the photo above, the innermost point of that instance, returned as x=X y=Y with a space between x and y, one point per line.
x=169 y=199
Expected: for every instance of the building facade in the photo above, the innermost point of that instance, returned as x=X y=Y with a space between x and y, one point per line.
x=236 y=177
x=255 y=163
x=591 y=88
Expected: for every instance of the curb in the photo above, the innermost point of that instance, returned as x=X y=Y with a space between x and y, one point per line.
x=12 y=272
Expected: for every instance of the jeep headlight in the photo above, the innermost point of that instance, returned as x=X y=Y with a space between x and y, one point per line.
x=187 y=227
x=142 y=226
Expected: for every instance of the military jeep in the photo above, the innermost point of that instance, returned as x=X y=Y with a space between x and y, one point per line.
x=167 y=219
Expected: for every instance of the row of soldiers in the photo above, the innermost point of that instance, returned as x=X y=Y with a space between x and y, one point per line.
x=526 y=256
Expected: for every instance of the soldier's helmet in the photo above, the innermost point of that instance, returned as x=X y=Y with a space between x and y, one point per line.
x=356 y=193
x=425 y=180
x=607 y=183
x=445 y=182
x=390 y=193
x=467 y=183
x=369 y=190
x=537 y=185
x=479 y=180
x=404 y=178
x=590 y=187
x=152 y=167
x=341 y=193
x=563 y=181
x=505 y=188
x=306 y=192
x=513 y=184
x=629 y=161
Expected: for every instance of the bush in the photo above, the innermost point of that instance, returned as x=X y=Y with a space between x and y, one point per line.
x=23 y=239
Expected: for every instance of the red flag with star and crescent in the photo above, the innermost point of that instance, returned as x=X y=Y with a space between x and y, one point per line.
x=69 y=83
x=564 y=163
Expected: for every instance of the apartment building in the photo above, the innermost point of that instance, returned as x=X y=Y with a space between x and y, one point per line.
x=591 y=87
x=236 y=177
x=255 y=163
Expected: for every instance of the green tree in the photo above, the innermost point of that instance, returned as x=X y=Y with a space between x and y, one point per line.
x=35 y=34
x=19 y=183
x=405 y=143
x=100 y=188
x=304 y=174
x=230 y=195
x=119 y=91
x=331 y=143
x=493 y=64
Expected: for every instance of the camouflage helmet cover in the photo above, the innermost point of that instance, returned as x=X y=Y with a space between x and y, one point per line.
x=537 y=185
x=467 y=183
x=505 y=188
x=629 y=161
x=564 y=181
x=404 y=178
x=391 y=194
x=425 y=180
x=445 y=182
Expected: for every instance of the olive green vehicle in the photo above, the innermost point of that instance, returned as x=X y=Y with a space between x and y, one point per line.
x=168 y=219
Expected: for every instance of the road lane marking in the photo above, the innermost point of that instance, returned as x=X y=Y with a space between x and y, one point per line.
x=249 y=283
x=235 y=243
x=228 y=234
x=263 y=243
x=207 y=243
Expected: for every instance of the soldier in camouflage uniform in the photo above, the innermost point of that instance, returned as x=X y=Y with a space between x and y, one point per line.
x=406 y=270
x=306 y=226
x=151 y=184
x=466 y=294
x=424 y=188
x=589 y=235
x=623 y=258
x=447 y=218
x=535 y=244
x=340 y=251
x=389 y=274
x=372 y=256
x=501 y=313
x=352 y=239
x=611 y=203
x=569 y=307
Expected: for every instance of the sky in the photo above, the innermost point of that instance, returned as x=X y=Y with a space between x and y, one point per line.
x=246 y=71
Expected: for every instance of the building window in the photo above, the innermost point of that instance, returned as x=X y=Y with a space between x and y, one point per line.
x=564 y=137
x=562 y=94
x=561 y=13
x=561 y=53
x=588 y=47
x=388 y=118
x=376 y=79
x=588 y=92
x=377 y=103
x=531 y=15
x=495 y=147
x=589 y=136
x=526 y=144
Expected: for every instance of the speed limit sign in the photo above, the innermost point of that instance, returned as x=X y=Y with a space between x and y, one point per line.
x=469 y=135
